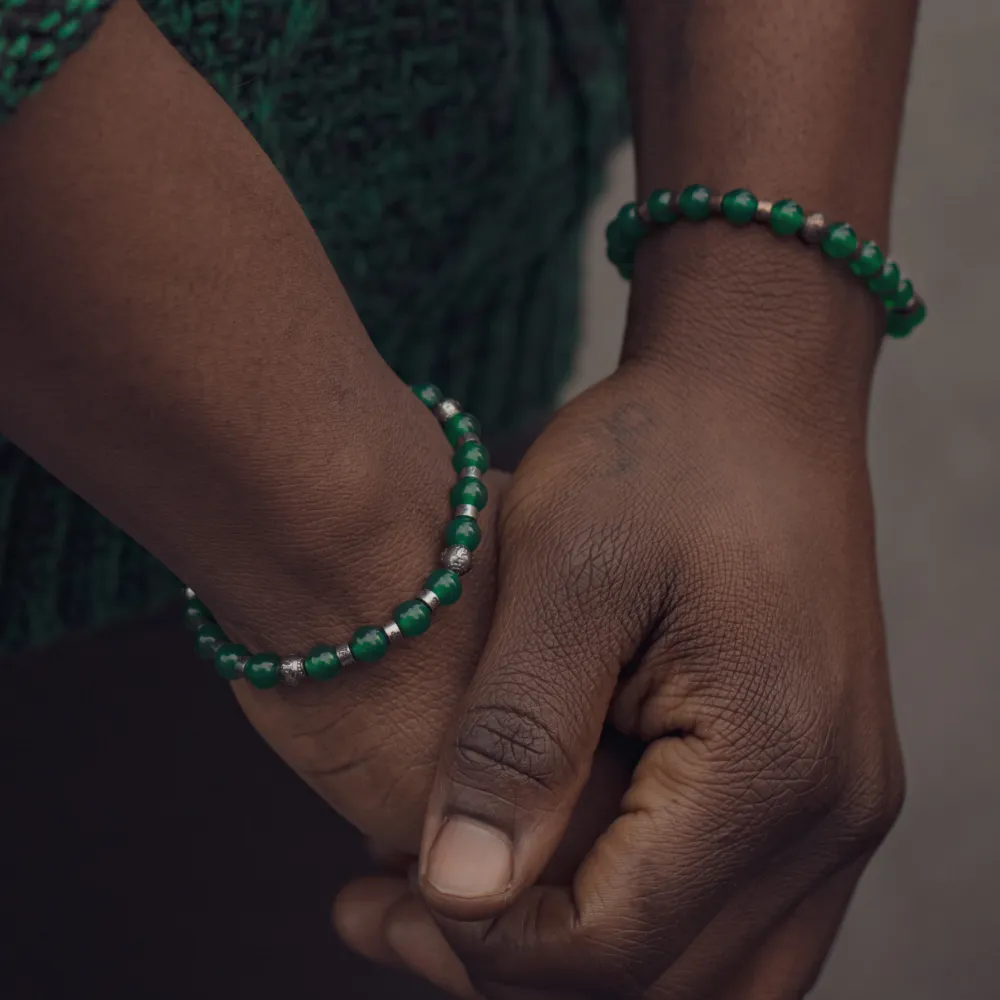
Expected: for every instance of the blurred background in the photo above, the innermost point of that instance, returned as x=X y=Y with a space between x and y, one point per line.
x=926 y=921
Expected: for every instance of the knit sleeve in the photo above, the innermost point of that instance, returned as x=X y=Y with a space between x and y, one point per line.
x=36 y=38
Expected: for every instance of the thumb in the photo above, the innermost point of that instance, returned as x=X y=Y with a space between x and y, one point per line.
x=524 y=740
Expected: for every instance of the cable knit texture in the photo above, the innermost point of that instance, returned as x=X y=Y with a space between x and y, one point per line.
x=444 y=150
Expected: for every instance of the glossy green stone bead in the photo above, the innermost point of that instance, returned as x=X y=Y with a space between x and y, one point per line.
x=662 y=206
x=840 y=241
x=208 y=639
x=369 y=644
x=461 y=423
x=471 y=455
x=869 y=260
x=447 y=584
x=463 y=531
x=413 y=618
x=903 y=295
x=631 y=227
x=196 y=614
x=469 y=490
x=227 y=660
x=886 y=282
x=428 y=394
x=626 y=270
x=261 y=670
x=695 y=202
x=787 y=217
x=321 y=663
x=739 y=206
x=898 y=324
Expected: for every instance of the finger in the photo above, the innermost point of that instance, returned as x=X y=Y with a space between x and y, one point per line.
x=524 y=742
x=387 y=857
x=359 y=916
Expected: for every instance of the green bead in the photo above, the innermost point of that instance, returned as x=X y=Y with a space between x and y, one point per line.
x=428 y=394
x=196 y=614
x=840 y=241
x=461 y=423
x=447 y=584
x=631 y=227
x=869 y=260
x=787 y=217
x=228 y=658
x=903 y=295
x=463 y=531
x=694 y=202
x=898 y=324
x=619 y=254
x=739 y=207
x=208 y=639
x=321 y=663
x=369 y=644
x=471 y=455
x=887 y=281
x=626 y=270
x=413 y=618
x=262 y=670
x=469 y=490
x=662 y=206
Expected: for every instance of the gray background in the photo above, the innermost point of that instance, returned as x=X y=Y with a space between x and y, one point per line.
x=925 y=922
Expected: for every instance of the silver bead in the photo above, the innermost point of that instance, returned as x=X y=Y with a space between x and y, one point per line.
x=813 y=229
x=457 y=558
x=642 y=210
x=470 y=472
x=392 y=631
x=447 y=409
x=344 y=655
x=466 y=438
x=189 y=594
x=429 y=598
x=911 y=306
x=292 y=671
x=467 y=510
x=764 y=210
x=715 y=204
x=241 y=665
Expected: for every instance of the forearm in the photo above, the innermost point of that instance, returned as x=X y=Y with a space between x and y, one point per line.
x=177 y=347
x=794 y=98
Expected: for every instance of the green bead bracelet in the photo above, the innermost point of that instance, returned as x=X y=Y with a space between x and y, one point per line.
x=905 y=310
x=411 y=618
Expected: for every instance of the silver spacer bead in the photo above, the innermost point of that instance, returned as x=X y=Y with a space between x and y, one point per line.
x=392 y=631
x=345 y=655
x=764 y=210
x=466 y=438
x=447 y=409
x=813 y=229
x=911 y=306
x=467 y=510
x=292 y=671
x=642 y=210
x=189 y=594
x=715 y=204
x=241 y=665
x=457 y=558
x=470 y=472
x=429 y=598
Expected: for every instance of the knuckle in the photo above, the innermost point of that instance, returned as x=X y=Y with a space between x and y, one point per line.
x=872 y=803
x=511 y=747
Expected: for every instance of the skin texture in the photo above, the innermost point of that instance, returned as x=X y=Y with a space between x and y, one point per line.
x=682 y=569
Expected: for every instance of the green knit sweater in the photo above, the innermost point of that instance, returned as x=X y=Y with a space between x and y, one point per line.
x=444 y=150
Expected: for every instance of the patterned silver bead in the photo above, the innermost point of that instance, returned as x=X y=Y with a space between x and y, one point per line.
x=764 y=210
x=715 y=204
x=813 y=229
x=457 y=558
x=429 y=598
x=642 y=210
x=447 y=409
x=189 y=594
x=344 y=655
x=911 y=306
x=466 y=438
x=392 y=631
x=292 y=671
x=241 y=665
x=470 y=472
x=467 y=510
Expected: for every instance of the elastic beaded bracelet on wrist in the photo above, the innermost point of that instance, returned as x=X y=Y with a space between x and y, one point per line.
x=905 y=309
x=411 y=618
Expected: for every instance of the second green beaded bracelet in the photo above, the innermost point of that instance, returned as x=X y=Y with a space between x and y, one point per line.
x=905 y=310
x=411 y=618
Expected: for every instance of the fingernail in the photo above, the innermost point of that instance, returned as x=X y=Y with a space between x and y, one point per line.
x=469 y=860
